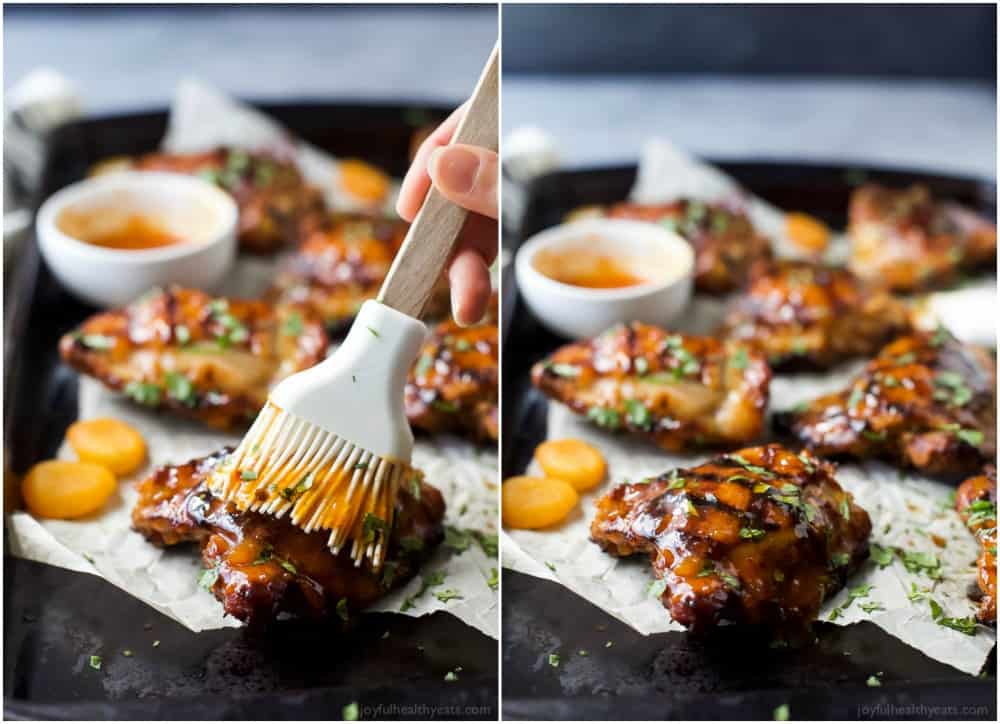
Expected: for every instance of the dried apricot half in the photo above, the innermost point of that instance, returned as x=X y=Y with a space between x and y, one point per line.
x=64 y=489
x=536 y=502
x=577 y=462
x=807 y=232
x=109 y=442
x=363 y=180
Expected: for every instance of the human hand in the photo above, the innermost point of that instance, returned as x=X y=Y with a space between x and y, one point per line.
x=467 y=176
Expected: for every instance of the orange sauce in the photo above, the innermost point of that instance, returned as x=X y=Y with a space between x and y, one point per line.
x=582 y=267
x=133 y=232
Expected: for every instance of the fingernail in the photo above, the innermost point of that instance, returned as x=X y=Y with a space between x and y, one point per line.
x=454 y=169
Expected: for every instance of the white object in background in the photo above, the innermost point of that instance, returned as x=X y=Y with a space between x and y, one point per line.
x=528 y=152
x=185 y=206
x=578 y=312
x=969 y=313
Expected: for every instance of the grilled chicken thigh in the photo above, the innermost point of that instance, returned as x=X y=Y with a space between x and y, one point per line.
x=725 y=242
x=453 y=387
x=910 y=241
x=976 y=502
x=341 y=263
x=182 y=350
x=679 y=391
x=761 y=536
x=261 y=566
x=273 y=198
x=803 y=314
x=926 y=401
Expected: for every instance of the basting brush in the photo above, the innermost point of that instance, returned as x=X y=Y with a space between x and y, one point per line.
x=332 y=446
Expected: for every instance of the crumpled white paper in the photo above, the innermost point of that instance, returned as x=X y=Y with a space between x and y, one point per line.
x=908 y=511
x=105 y=544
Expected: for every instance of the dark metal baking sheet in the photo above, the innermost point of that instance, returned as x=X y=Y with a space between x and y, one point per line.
x=55 y=619
x=675 y=675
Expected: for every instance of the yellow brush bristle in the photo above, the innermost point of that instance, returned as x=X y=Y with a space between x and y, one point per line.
x=287 y=466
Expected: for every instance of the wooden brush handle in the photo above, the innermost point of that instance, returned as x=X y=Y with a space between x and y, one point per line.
x=432 y=236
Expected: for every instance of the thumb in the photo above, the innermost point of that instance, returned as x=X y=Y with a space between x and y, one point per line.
x=467 y=176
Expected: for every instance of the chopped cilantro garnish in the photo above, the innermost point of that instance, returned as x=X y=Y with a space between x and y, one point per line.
x=657 y=587
x=180 y=388
x=739 y=359
x=208 y=578
x=145 y=393
x=350 y=712
x=882 y=556
x=637 y=414
x=751 y=533
x=342 y=609
x=451 y=676
x=447 y=594
x=248 y=475
x=372 y=525
x=494 y=580
x=554 y=660
x=874 y=681
x=781 y=713
x=292 y=326
x=424 y=364
x=606 y=417
x=562 y=370
x=97 y=341
x=456 y=539
x=95 y=662
x=290 y=567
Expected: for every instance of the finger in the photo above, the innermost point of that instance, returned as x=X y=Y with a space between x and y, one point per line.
x=467 y=176
x=416 y=182
x=479 y=233
x=470 y=287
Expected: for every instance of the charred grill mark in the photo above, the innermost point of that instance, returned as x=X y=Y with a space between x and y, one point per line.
x=764 y=550
x=926 y=401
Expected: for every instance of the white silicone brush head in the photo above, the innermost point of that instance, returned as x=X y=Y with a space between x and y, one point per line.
x=357 y=393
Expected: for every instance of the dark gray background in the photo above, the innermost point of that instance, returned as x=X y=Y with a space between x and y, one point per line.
x=933 y=41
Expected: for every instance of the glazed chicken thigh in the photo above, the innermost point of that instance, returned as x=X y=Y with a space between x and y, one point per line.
x=909 y=241
x=341 y=263
x=761 y=536
x=453 y=387
x=725 y=242
x=926 y=401
x=209 y=358
x=273 y=198
x=803 y=314
x=679 y=391
x=260 y=567
x=976 y=502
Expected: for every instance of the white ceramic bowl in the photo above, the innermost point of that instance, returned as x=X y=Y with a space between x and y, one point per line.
x=649 y=251
x=185 y=206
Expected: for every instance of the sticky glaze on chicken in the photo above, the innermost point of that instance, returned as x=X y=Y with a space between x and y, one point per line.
x=272 y=196
x=803 y=314
x=725 y=242
x=182 y=350
x=926 y=401
x=260 y=567
x=910 y=241
x=759 y=537
x=679 y=391
x=453 y=387
x=976 y=502
x=341 y=263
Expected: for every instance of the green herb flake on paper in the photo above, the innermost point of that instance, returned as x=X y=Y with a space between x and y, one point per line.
x=342 y=609
x=95 y=662
x=351 y=712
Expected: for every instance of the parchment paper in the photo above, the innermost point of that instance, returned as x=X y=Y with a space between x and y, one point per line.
x=906 y=509
x=105 y=545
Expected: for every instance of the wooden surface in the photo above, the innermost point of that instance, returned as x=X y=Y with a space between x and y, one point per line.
x=432 y=236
